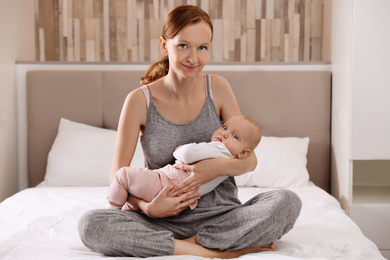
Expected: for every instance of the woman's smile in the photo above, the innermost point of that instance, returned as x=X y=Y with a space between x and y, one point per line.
x=189 y=67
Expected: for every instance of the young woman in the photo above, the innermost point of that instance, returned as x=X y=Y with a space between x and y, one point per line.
x=182 y=105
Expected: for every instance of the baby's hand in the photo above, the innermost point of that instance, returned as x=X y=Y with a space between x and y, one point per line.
x=178 y=147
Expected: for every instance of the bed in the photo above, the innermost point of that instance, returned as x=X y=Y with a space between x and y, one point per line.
x=72 y=117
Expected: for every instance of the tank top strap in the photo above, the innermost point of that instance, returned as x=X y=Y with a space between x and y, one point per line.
x=208 y=86
x=145 y=89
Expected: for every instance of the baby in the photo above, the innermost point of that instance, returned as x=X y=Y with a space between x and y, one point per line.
x=237 y=137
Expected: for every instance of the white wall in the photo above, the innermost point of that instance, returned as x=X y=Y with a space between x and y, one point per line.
x=342 y=25
x=8 y=141
x=370 y=123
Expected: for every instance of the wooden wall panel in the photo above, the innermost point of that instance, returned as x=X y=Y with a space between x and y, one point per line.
x=129 y=30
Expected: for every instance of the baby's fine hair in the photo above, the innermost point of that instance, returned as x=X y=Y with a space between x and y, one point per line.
x=258 y=138
x=177 y=19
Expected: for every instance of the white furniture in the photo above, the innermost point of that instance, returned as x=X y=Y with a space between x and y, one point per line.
x=361 y=115
x=370 y=206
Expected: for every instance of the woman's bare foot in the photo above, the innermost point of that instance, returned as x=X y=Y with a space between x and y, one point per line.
x=257 y=249
x=189 y=246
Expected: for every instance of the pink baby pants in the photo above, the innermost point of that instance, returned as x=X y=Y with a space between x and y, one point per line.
x=143 y=183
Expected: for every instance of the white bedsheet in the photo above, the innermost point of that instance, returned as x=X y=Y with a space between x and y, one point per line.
x=41 y=223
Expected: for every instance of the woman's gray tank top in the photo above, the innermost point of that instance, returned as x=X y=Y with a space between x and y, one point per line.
x=161 y=136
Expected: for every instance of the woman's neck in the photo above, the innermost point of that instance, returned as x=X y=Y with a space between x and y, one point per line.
x=181 y=88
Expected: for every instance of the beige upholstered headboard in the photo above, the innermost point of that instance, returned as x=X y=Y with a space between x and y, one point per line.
x=284 y=103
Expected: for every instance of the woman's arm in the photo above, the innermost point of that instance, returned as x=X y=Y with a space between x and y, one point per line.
x=132 y=119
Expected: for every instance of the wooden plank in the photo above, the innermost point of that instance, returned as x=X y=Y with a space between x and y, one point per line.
x=89 y=29
x=250 y=46
x=213 y=9
x=65 y=51
x=106 y=30
x=237 y=20
x=121 y=42
x=243 y=47
x=90 y=50
x=89 y=39
x=275 y=39
x=296 y=37
x=204 y=5
x=42 y=44
x=56 y=30
x=76 y=48
x=97 y=8
x=60 y=20
x=97 y=40
x=258 y=40
x=286 y=16
x=48 y=27
x=141 y=41
x=154 y=49
x=316 y=49
x=120 y=8
x=278 y=9
x=69 y=30
x=156 y=8
x=36 y=24
x=83 y=46
x=88 y=6
x=228 y=24
x=316 y=20
x=286 y=48
x=281 y=37
x=147 y=31
x=112 y=31
x=268 y=38
x=306 y=39
x=251 y=14
x=217 y=44
x=100 y=16
x=263 y=40
x=270 y=11
x=99 y=33
x=259 y=9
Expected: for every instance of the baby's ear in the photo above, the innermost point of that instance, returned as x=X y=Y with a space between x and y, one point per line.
x=245 y=153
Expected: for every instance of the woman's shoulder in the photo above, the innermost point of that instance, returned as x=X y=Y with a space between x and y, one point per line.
x=135 y=95
x=136 y=102
x=218 y=80
x=219 y=85
x=223 y=97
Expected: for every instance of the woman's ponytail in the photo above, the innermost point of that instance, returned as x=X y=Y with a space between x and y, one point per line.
x=156 y=71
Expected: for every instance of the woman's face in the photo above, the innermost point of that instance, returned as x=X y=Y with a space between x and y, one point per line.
x=188 y=50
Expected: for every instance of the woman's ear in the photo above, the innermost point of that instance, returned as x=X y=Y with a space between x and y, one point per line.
x=163 y=46
x=245 y=153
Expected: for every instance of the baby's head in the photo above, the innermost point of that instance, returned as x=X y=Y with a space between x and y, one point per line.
x=240 y=134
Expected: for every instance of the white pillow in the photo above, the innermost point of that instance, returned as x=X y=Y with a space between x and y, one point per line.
x=281 y=163
x=81 y=155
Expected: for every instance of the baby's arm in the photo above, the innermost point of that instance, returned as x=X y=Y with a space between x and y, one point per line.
x=193 y=152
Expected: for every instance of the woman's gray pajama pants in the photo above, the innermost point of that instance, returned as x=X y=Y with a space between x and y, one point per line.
x=219 y=221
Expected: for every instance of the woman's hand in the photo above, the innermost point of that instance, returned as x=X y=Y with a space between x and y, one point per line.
x=164 y=205
x=201 y=172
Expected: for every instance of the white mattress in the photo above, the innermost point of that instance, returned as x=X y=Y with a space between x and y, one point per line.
x=41 y=223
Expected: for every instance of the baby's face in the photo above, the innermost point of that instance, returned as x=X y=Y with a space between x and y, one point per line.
x=235 y=134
